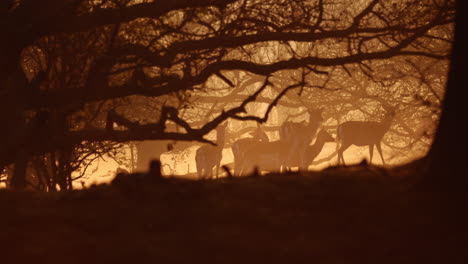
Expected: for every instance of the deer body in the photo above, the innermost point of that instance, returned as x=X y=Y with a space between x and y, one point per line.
x=363 y=133
x=292 y=131
x=313 y=151
x=271 y=155
x=297 y=136
x=288 y=151
x=208 y=157
x=304 y=160
x=241 y=146
x=263 y=155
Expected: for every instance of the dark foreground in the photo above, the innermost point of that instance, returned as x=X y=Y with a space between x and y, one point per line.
x=268 y=219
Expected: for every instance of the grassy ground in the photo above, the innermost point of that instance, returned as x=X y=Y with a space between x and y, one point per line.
x=328 y=217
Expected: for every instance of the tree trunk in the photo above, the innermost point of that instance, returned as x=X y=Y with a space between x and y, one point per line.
x=18 y=179
x=447 y=154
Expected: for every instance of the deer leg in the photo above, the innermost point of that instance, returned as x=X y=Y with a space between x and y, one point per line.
x=203 y=172
x=243 y=166
x=236 y=166
x=249 y=165
x=304 y=161
x=341 y=150
x=340 y=154
x=198 y=165
x=379 y=149
x=371 y=152
x=303 y=165
x=217 y=170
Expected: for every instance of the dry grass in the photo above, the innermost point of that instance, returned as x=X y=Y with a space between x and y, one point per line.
x=331 y=217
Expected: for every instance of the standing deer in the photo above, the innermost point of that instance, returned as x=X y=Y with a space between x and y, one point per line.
x=288 y=151
x=263 y=155
x=297 y=136
x=241 y=146
x=313 y=151
x=207 y=157
x=363 y=133
x=270 y=155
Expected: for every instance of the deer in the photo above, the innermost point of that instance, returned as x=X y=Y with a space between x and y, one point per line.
x=270 y=155
x=297 y=136
x=133 y=182
x=208 y=157
x=288 y=151
x=313 y=151
x=263 y=156
x=364 y=133
x=240 y=147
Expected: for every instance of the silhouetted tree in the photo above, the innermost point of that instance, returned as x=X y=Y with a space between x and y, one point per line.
x=446 y=168
x=60 y=57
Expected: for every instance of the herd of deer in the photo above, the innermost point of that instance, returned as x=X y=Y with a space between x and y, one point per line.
x=293 y=149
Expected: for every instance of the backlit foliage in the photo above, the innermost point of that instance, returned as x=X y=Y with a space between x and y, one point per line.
x=155 y=64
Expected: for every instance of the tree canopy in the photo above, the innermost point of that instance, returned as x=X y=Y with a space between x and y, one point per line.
x=78 y=76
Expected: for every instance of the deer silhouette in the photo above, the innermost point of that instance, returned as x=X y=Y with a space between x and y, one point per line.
x=240 y=148
x=263 y=156
x=286 y=152
x=270 y=155
x=297 y=136
x=135 y=181
x=364 y=133
x=313 y=151
x=305 y=159
x=208 y=157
